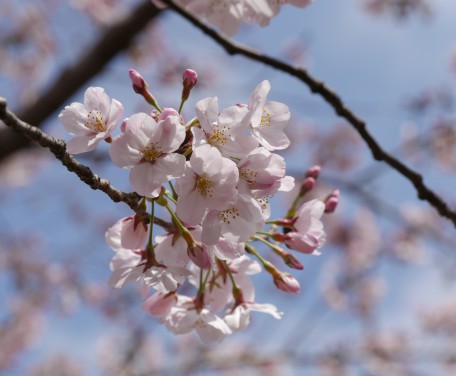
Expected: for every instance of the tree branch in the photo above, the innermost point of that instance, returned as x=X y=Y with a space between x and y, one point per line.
x=330 y=96
x=58 y=148
x=115 y=39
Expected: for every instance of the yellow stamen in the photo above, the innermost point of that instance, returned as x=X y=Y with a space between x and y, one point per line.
x=95 y=122
x=151 y=153
x=204 y=186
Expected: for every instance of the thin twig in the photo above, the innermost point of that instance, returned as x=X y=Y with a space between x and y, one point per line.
x=330 y=96
x=58 y=148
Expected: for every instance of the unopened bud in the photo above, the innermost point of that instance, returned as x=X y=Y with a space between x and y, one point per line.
x=292 y=261
x=288 y=258
x=139 y=85
x=307 y=185
x=285 y=222
x=189 y=80
x=331 y=201
x=287 y=283
x=279 y=237
x=198 y=254
x=313 y=172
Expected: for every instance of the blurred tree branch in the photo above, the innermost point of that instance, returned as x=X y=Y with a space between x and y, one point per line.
x=333 y=99
x=115 y=39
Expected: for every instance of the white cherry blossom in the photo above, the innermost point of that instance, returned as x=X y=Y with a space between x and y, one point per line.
x=209 y=183
x=183 y=318
x=129 y=265
x=159 y=304
x=225 y=131
x=92 y=121
x=147 y=146
x=130 y=231
x=227 y=15
x=239 y=318
x=264 y=173
x=237 y=222
x=309 y=234
x=267 y=119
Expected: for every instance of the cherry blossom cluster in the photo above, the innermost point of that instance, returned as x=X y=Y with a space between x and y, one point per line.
x=228 y=15
x=214 y=174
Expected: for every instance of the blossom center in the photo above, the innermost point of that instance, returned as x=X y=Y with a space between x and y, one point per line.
x=230 y=214
x=218 y=136
x=151 y=153
x=95 y=121
x=265 y=118
x=248 y=175
x=204 y=186
x=264 y=202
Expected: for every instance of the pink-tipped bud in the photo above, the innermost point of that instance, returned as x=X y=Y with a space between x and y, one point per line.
x=307 y=185
x=189 y=80
x=158 y=305
x=284 y=222
x=287 y=283
x=331 y=201
x=292 y=261
x=279 y=237
x=139 y=85
x=313 y=172
x=198 y=254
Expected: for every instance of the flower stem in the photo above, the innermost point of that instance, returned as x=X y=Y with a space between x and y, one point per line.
x=227 y=268
x=175 y=195
x=181 y=105
x=182 y=229
x=270 y=268
x=190 y=124
x=171 y=198
x=268 y=243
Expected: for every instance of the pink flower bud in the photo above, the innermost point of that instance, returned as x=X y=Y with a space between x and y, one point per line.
x=139 y=85
x=198 y=254
x=292 y=261
x=313 y=172
x=158 y=305
x=189 y=80
x=279 y=237
x=332 y=201
x=287 y=283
